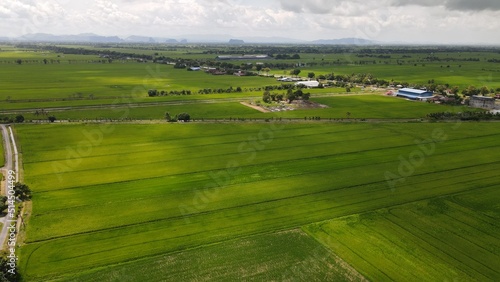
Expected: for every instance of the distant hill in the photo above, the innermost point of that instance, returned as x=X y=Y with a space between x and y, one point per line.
x=140 y=39
x=145 y=39
x=236 y=42
x=84 y=37
x=193 y=38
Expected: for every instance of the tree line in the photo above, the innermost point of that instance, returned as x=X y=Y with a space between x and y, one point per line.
x=465 y=116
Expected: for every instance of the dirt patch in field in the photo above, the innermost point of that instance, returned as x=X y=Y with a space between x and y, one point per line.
x=284 y=106
x=255 y=107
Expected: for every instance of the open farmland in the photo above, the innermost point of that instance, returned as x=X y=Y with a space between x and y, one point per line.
x=139 y=193
x=452 y=238
x=69 y=79
x=282 y=256
x=366 y=188
x=359 y=107
x=93 y=81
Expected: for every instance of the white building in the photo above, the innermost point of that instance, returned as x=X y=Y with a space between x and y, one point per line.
x=309 y=84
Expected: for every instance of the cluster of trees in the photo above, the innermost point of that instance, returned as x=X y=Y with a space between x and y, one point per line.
x=6 y=119
x=290 y=96
x=312 y=118
x=229 y=67
x=220 y=90
x=375 y=56
x=155 y=93
x=44 y=61
x=184 y=117
x=269 y=97
x=22 y=193
x=16 y=119
x=6 y=274
x=465 y=116
x=472 y=90
x=450 y=59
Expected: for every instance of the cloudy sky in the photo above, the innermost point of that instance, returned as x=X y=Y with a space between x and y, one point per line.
x=413 y=21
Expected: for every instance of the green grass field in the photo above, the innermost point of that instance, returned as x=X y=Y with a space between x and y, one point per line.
x=68 y=80
x=393 y=198
x=283 y=256
x=359 y=107
x=436 y=240
x=145 y=191
x=64 y=81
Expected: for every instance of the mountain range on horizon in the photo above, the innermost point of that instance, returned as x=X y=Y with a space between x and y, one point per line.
x=193 y=38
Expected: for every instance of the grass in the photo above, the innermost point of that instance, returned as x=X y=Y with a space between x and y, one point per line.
x=80 y=82
x=441 y=239
x=200 y=201
x=283 y=256
x=362 y=106
x=2 y=153
x=66 y=81
x=161 y=189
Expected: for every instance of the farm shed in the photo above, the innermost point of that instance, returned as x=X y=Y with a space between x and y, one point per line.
x=308 y=84
x=482 y=102
x=414 y=94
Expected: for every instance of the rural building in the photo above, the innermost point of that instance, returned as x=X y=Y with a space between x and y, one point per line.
x=482 y=102
x=414 y=94
x=309 y=84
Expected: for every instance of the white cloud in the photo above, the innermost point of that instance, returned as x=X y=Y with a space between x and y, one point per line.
x=429 y=20
x=460 y=5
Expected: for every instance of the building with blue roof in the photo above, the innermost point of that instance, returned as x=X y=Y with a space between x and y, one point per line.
x=414 y=94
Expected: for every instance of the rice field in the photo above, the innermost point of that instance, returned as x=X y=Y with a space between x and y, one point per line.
x=282 y=256
x=383 y=195
x=140 y=192
x=441 y=239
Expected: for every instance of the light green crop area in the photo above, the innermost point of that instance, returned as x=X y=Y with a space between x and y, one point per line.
x=106 y=194
x=440 y=239
x=283 y=256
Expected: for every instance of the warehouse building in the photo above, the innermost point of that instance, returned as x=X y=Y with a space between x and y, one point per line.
x=414 y=94
x=309 y=84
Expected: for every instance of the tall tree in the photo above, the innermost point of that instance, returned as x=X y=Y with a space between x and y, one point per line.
x=22 y=191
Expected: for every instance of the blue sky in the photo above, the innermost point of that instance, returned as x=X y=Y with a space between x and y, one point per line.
x=413 y=21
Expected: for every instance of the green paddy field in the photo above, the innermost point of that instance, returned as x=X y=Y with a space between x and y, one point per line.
x=109 y=195
x=366 y=188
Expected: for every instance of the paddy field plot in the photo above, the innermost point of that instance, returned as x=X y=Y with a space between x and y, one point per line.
x=107 y=194
x=359 y=107
x=451 y=238
x=283 y=256
x=92 y=84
